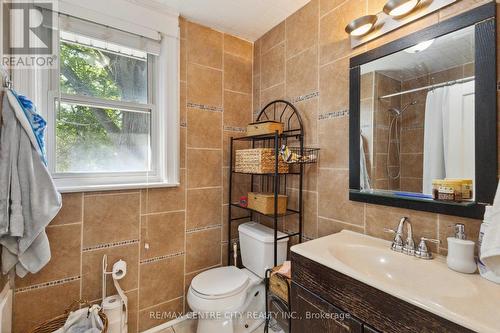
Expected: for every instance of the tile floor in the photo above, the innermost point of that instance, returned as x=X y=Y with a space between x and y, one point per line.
x=189 y=326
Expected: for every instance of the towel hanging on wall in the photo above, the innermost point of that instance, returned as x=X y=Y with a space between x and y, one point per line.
x=28 y=197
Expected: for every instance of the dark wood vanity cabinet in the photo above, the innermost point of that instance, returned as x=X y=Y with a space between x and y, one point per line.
x=313 y=314
x=326 y=301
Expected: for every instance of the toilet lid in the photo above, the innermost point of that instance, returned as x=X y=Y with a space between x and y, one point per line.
x=222 y=281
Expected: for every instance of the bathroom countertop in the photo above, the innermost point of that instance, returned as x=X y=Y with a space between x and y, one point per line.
x=465 y=299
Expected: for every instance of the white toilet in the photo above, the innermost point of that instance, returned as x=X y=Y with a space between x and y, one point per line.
x=232 y=300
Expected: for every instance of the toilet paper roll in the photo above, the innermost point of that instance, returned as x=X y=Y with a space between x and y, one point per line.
x=119 y=270
x=116 y=307
x=112 y=306
x=115 y=327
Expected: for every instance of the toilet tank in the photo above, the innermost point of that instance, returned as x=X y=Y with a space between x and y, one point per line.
x=257 y=249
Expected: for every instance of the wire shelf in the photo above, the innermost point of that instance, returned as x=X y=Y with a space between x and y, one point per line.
x=294 y=155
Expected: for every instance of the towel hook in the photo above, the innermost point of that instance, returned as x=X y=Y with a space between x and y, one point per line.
x=6 y=82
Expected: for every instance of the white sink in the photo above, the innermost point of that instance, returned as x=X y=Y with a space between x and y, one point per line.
x=465 y=299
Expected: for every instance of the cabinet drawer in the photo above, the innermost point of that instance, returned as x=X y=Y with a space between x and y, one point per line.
x=313 y=314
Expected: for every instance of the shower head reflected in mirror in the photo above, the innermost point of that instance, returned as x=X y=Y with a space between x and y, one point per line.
x=397 y=112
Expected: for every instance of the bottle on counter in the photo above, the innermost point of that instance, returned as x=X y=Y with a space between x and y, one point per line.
x=461 y=252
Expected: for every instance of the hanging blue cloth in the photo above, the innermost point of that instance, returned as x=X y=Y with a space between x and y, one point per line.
x=37 y=123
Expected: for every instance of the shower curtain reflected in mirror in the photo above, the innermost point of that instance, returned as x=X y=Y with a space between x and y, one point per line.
x=449 y=150
x=365 y=176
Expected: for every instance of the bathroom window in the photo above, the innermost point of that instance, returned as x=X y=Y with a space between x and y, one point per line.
x=103 y=122
x=109 y=128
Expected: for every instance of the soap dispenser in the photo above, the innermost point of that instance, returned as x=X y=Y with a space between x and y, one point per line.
x=461 y=252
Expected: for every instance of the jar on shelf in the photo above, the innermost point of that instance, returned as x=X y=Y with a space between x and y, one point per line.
x=450 y=190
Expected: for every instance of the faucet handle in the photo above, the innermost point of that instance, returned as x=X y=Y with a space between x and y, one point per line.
x=422 y=251
x=397 y=243
x=432 y=240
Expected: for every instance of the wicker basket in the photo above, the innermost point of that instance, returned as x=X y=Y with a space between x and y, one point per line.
x=258 y=160
x=264 y=202
x=56 y=323
x=279 y=284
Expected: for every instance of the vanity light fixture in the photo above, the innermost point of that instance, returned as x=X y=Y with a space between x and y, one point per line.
x=394 y=14
x=398 y=8
x=361 y=26
x=420 y=46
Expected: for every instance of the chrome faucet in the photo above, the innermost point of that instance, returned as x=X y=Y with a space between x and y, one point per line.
x=408 y=247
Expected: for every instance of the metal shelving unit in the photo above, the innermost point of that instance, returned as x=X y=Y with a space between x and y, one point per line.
x=293 y=134
x=285 y=112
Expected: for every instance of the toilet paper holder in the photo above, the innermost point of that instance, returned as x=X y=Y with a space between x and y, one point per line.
x=118 y=272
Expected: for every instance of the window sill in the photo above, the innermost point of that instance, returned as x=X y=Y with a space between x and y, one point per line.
x=113 y=187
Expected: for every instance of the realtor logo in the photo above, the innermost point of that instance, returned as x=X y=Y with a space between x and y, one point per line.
x=28 y=33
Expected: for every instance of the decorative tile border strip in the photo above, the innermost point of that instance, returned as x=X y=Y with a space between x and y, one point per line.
x=155 y=259
x=183 y=124
x=215 y=226
x=47 y=284
x=305 y=97
x=413 y=128
x=205 y=107
x=235 y=129
x=332 y=115
x=108 y=245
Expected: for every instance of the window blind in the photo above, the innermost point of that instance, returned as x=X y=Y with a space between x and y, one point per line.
x=110 y=38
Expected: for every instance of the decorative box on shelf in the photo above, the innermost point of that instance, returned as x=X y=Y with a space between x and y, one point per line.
x=258 y=160
x=264 y=127
x=264 y=202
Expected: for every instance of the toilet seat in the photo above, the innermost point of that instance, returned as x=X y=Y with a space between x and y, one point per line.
x=220 y=283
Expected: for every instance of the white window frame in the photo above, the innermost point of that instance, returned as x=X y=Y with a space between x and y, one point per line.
x=88 y=181
x=165 y=133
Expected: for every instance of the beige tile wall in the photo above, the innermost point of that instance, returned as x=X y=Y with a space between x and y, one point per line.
x=305 y=59
x=181 y=227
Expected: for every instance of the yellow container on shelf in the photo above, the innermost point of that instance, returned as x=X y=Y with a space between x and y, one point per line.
x=436 y=184
x=467 y=187
x=450 y=190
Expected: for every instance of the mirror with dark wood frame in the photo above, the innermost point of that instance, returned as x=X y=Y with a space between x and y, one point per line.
x=423 y=118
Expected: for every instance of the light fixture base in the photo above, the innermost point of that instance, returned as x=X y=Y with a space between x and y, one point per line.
x=386 y=23
x=361 y=26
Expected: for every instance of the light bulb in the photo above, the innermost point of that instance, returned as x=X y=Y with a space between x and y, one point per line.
x=397 y=8
x=362 y=30
x=420 y=46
